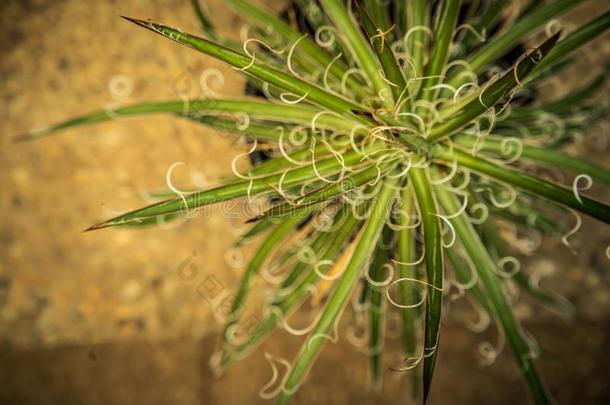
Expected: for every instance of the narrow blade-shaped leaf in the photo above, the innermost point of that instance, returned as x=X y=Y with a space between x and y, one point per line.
x=490 y=94
x=270 y=75
x=433 y=240
x=534 y=185
x=345 y=285
x=361 y=51
x=542 y=155
x=487 y=272
x=254 y=266
x=384 y=52
x=234 y=190
x=257 y=109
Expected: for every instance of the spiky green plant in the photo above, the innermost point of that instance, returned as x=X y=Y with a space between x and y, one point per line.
x=400 y=153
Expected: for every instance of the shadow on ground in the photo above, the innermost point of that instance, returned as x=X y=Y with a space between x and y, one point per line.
x=176 y=372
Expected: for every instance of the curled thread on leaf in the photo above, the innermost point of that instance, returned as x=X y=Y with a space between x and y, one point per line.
x=411 y=362
x=508 y=150
x=330 y=40
x=418 y=261
x=284 y=98
x=270 y=274
x=576 y=189
x=513 y=262
x=488 y=352
x=451 y=230
x=481 y=36
x=319 y=176
x=564 y=238
x=239 y=156
x=283 y=151
x=382 y=35
x=383 y=283
x=474 y=277
x=333 y=337
x=478 y=207
x=290 y=52
x=418 y=119
x=347 y=74
x=298 y=140
x=205 y=77
x=327 y=70
x=264 y=392
x=397 y=227
x=303 y=331
x=252 y=55
x=333 y=274
x=316 y=117
x=415 y=29
x=179 y=193
x=358 y=340
x=410 y=280
x=290 y=198
x=458 y=91
x=460 y=210
x=485 y=87
x=467 y=71
x=516 y=67
x=512 y=196
x=552 y=27
x=443 y=86
x=483 y=320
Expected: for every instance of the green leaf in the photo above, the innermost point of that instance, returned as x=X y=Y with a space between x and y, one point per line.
x=377 y=307
x=549 y=157
x=574 y=41
x=443 y=35
x=564 y=104
x=503 y=43
x=285 y=302
x=399 y=12
x=307 y=52
x=405 y=253
x=265 y=132
x=256 y=109
x=204 y=22
x=484 y=22
x=379 y=14
x=384 y=52
x=433 y=240
x=305 y=155
x=491 y=93
x=546 y=189
x=417 y=40
x=278 y=78
x=330 y=191
x=463 y=274
x=357 y=44
x=259 y=227
x=487 y=272
x=254 y=266
x=235 y=190
x=345 y=285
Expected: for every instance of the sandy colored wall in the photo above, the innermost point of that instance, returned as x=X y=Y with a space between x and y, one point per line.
x=58 y=284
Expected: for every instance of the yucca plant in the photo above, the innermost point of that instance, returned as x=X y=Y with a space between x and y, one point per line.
x=401 y=140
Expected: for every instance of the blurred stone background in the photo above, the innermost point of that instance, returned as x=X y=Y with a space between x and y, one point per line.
x=105 y=317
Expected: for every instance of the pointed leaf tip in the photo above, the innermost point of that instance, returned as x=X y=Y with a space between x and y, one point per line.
x=142 y=23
